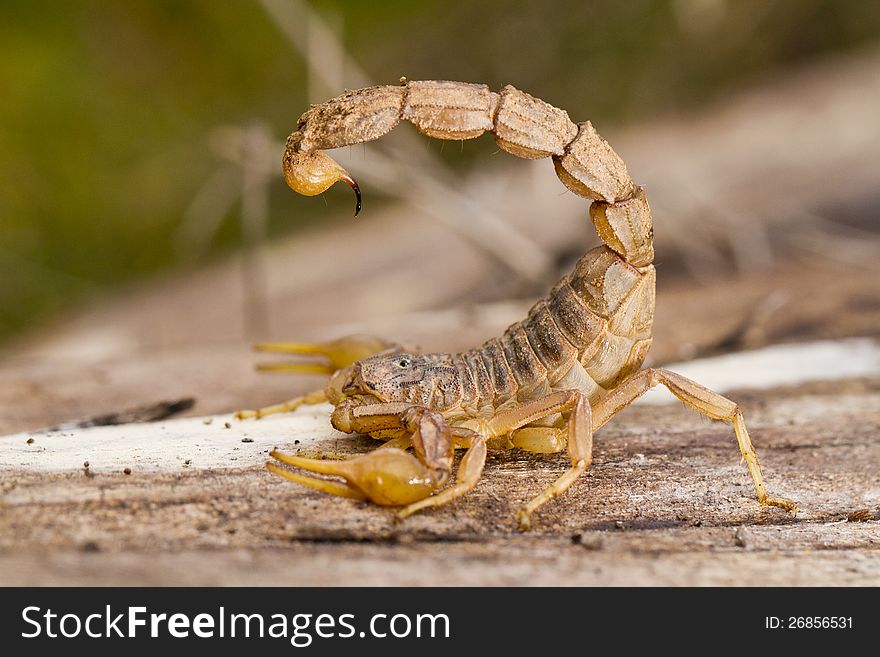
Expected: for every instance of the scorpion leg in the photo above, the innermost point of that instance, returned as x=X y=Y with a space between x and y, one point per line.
x=580 y=439
x=388 y=476
x=313 y=397
x=400 y=442
x=539 y=440
x=701 y=399
x=334 y=356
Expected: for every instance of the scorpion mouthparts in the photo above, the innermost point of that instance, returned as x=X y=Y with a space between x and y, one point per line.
x=357 y=192
x=350 y=386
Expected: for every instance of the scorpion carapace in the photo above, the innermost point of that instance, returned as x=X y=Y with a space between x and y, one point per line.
x=551 y=379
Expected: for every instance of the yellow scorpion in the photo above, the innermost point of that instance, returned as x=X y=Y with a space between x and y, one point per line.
x=551 y=380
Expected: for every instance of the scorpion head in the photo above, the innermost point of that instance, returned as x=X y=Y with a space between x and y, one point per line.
x=427 y=380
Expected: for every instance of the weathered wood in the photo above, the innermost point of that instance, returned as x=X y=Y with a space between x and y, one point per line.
x=666 y=502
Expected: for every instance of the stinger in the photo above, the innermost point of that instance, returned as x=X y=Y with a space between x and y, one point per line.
x=357 y=192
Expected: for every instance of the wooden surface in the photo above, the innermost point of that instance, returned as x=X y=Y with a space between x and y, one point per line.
x=666 y=502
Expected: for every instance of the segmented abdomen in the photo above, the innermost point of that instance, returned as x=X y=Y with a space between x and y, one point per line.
x=593 y=329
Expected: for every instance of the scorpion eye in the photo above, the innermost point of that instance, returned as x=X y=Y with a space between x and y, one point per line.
x=403 y=362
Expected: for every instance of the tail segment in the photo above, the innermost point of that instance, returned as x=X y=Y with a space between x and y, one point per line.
x=523 y=125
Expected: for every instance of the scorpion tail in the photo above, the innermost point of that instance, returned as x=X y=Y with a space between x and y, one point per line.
x=523 y=125
x=626 y=227
x=310 y=174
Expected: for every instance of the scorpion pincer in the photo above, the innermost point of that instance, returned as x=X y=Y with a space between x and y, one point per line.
x=551 y=380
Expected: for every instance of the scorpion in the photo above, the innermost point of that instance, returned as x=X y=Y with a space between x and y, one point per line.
x=550 y=381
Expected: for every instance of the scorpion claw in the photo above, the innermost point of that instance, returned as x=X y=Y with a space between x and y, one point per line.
x=323 y=485
x=388 y=477
x=337 y=354
x=296 y=368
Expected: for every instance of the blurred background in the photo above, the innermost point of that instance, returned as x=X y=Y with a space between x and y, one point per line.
x=147 y=238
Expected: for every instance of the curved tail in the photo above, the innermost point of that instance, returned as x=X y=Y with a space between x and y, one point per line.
x=523 y=125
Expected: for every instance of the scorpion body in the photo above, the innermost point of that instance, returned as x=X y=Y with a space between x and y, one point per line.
x=551 y=379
